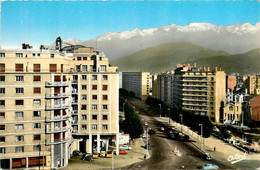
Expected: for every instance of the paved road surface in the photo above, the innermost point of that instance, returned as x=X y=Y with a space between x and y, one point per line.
x=163 y=155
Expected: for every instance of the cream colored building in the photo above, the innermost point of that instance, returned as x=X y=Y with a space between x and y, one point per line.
x=233 y=113
x=53 y=102
x=252 y=83
x=137 y=82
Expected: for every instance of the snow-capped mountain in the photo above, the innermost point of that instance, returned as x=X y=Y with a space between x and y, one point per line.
x=233 y=39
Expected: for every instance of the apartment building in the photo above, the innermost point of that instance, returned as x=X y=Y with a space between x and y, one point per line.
x=155 y=85
x=138 y=83
x=53 y=102
x=252 y=83
x=201 y=91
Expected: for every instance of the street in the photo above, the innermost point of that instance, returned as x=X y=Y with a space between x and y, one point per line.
x=163 y=155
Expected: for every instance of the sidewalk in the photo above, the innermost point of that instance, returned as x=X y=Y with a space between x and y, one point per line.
x=135 y=155
x=223 y=150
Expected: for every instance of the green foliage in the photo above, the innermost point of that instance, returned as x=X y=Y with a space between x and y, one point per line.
x=132 y=124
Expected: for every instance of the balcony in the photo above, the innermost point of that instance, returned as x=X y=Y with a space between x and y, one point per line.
x=74 y=112
x=57 y=129
x=57 y=107
x=74 y=81
x=57 y=118
x=51 y=142
x=74 y=91
x=54 y=96
x=57 y=84
x=75 y=131
x=74 y=122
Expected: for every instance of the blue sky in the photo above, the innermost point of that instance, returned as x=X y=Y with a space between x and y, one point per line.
x=40 y=22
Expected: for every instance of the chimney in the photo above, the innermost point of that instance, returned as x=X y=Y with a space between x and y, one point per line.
x=23 y=46
x=219 y=68
x=216 y=69
x=208 y=68
x=195 y=65
x=200 y=68
x=204 y=68
x=42 y=47
x=188 y=65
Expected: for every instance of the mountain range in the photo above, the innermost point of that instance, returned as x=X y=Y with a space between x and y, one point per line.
x=166 y=56
x=234 y=39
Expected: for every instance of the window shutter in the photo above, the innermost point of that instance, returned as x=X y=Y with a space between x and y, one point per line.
x=36 y=68
x=53 y=67
x=19 y=67
x=2 y=68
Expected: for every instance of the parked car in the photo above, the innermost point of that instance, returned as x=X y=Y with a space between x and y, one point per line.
x=109 y=154
x=76 y=153
x=149 y=147
x=122 y=152
x=87 y=157
x=210 y=166
x=95 y=155
x=102 y=154
x=151 y=131
x=126 y=147
x=207 y=156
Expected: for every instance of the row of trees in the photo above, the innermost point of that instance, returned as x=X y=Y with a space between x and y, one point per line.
x=189 y=119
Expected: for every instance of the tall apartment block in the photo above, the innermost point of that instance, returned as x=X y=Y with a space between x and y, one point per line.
x=252 y=83
x=53 y=102
x=199 y=90
x=137 y=82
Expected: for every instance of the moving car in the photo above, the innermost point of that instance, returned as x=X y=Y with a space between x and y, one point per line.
x=210 y=166
x=126 y=147
x=207 y=156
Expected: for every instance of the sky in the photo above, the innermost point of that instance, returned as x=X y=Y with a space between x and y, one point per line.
x=41 y=22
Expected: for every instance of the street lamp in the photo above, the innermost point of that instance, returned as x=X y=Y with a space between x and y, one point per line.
x=169 y=115
x=147 y=139
x=160 y=109
x=201 y=130
x=181 y=120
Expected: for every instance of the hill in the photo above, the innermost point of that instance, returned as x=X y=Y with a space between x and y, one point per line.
x=165 y=57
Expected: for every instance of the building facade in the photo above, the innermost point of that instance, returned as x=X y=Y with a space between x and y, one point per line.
x=252 y=83
x=138 y=83
x=53 y=102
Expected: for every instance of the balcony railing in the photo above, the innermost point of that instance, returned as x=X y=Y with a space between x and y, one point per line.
x=75 y=131
x=57 y=107
x=74 y=91
x=57 y=129
x=56 y=118
x=50 y=142
x=74 y=112
x=61 y=95
x=53 y=83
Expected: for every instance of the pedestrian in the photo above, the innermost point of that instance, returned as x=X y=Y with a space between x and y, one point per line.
x=144 y=156
x=214 y=148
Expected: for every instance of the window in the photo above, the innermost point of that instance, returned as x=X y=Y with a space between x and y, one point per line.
x=94 y=77
x=37 y=148
x=84 y=117
x=36 y=137
x=19 y=138
x=53 y=68
x=19 y=90
x=104 y=117
x=18 y=114
x=19 y=67
x=2 y=55
x=84 y=68
x=91 y=68
x=103 y=68
x=52 y=55
x=37 y=90
x=85 y=58
x=94 y=87
x=212 y=78
x=36 y=78
x=83 y=107
x=19 y=126
x=104 y=77
x=84 y=87
x=237 y=108
x=38 y=54
x=2 y=78
x=36 y=68
x=77 y=68
x=104 y=97
x=2 y=90
x=18 y=78
x=231 y=108
x=104 y=107
x=78 y=58
x=61 y=68
x=94 y=117
x=2 y=139
x=2 y=150
x=84 y=77
x=104 y=127
x=37 y=126
x=94 y=107
x=84 y=127
x=19 y=102
x=2 y=102
x=37 y=101
x=33 y=54
x=2 y=68
x=57 y=78
x=94 y=97
x=104 y=87
x=94 y=127
x=19 y=149
x=84 y=97
x=2 y=127
x=2 y=115
x=19 y=55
